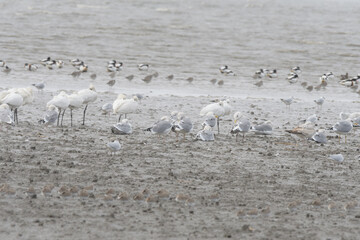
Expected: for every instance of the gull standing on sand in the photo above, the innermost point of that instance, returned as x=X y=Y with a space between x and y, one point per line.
x=263 y=129
x=88 y=95
x=6 y=116
x=122 y=128
x=205 y=135
x=216 y=108
x=114 y=146
x=61 y=101
x=242 y=125
x=184 y=125
x=51 y=115
x=39 y=86
x=161 y=127
x=210 y=120
x=107 y=108
x=320 y=102
x=125 y=106
x=287 y=101
x=342 y=128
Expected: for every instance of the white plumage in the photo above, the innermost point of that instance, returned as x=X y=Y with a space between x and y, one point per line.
x=88 y=95
x=125 y=106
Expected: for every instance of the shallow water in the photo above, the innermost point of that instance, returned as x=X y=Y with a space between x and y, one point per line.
x=184 y=38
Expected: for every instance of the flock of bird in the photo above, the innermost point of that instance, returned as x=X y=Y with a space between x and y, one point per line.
x=12 y=99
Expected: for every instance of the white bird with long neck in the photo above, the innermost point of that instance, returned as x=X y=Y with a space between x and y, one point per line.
x=216 y=108
x=88 y=95
x=62 y=102
x=14 y=100
x=75 y=102
x=125 y=106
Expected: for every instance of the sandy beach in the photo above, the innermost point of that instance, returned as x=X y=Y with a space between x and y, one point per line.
x=239 y=190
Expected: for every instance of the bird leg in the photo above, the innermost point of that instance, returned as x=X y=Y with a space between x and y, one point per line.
x=218 y=125
x=62 y=116
x=119 y=118
x=58 y=119
x=84 y=115
x=70 y=117
x=16 y=116
x=236 y=138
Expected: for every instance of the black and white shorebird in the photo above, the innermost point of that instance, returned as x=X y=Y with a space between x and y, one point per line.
x=143 y=67
x=296 y=70
x=30 y=67
x=6 y=69
x=45 y=61
x=293 y=78
x=226 y=71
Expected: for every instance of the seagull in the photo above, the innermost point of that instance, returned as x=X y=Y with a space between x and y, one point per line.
x=205 y=134
x=305 y=130
x=184 y=125
x=217 y=109
x=342 y=128
x=6 y=116
x=2 y=63
x=161 y=127
x=337 y=157
x=107 y=108
x=287 y=101
x=114 y=146
x=51 y=115
x=263 y=129
x=242 y=125
x=210 y=120
x=88 y=95
x=40 y=86
x=122 y=128
x=319 y=137
x=320 y=101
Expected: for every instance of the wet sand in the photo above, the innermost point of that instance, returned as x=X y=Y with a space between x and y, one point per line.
x=257 y=173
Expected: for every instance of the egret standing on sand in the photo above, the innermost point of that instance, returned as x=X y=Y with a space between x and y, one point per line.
x=88 y=95
x=62 y=102
x=75 y=102
x=125 y=106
